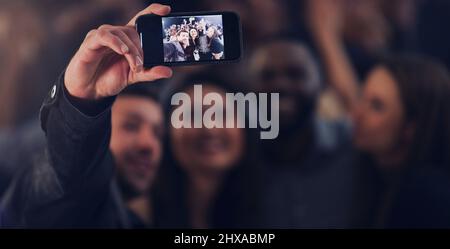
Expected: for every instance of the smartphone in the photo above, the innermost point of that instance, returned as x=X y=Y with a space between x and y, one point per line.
x=190 y=38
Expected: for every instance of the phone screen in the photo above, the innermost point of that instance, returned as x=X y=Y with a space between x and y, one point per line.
x=190 y=38
x=193 y=38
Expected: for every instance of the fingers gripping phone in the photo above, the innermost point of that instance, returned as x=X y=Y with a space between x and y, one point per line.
x=190 y=38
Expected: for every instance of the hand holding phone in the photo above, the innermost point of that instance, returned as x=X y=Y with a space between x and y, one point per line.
x=109 y=59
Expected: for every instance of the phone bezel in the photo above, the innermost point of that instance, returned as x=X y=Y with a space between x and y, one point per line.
x=233 y=47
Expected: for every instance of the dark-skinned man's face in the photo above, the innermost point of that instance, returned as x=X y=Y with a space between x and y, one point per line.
x=289 y=69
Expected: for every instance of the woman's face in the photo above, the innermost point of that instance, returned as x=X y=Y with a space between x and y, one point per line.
x=210 y=32
x=193 y=33
x=213 y=150
x=379 y=118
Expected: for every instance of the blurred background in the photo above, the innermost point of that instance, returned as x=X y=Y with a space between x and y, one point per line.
x=38 y=38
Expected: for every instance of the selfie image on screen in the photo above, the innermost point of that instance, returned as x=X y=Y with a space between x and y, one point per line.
x=193 y=38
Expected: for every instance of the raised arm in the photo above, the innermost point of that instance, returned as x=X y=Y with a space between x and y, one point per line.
x=325 y=19
x=74 y=186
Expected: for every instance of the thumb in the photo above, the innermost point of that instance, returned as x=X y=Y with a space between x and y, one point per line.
x=152 y=74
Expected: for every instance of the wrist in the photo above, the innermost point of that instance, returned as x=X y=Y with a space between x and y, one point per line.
x=326 y=34
x=88 y=106
x=78 y=85
x=326 y=39
x=80 y=91
x=82 y=94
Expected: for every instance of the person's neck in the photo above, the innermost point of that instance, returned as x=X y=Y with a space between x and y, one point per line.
x=202 y=191
x=142 y=207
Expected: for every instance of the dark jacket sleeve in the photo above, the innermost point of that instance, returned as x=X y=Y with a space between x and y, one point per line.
x=71 y=188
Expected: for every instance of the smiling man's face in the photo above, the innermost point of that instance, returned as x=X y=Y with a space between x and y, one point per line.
x=288 y=68
x=183 y=37
x=137 y=129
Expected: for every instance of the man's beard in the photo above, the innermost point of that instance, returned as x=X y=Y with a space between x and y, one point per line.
x=294 y=127
x=127 y=189
x=306 y=107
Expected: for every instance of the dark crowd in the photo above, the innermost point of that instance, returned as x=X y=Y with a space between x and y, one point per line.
x=364 y=115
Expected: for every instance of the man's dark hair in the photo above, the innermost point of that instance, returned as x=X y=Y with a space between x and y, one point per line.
x=143 y=90
x=181 y=31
